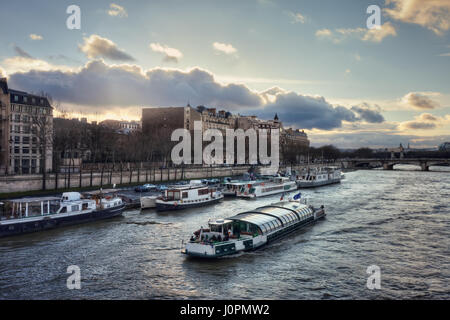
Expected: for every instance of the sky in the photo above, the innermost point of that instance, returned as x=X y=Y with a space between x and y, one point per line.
x=314 y=63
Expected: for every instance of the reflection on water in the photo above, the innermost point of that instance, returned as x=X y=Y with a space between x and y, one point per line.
x=398 y=220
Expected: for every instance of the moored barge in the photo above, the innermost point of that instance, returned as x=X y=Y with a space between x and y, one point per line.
x=37 y=214
x=183 y=197
x=250 y=230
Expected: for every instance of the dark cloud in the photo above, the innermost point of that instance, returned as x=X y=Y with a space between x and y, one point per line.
x=306 y=112
x=419 y=101
x=98 y=47
x=22 y=53
x=419 y=125
x=368 y=113
x=100 y=85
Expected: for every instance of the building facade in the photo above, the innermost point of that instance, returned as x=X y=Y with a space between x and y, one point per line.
x=27 y=132
x=296 y=137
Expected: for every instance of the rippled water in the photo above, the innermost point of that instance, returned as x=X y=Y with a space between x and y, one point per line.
x=397 y=220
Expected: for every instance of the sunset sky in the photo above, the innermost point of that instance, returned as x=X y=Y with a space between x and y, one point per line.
x=314 y=63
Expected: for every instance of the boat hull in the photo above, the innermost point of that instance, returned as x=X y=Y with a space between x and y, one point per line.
x=181 y=206
x=36 y=224
x=313 y=184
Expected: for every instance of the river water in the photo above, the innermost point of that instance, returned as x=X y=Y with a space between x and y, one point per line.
x=397 y=220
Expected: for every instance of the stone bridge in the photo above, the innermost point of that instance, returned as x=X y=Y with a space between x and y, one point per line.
x=388 y=164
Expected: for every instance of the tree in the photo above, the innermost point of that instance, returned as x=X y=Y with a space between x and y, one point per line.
x=42 y=128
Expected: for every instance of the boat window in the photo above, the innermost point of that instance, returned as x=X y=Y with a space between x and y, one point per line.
x=74 y=208
x=63 y=210
x=185 y=195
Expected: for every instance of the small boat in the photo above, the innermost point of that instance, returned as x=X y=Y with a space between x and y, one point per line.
x=148 y=202
x=37 y=214
x=250 y=230
x=182 y=197
x=319 y=177
x=273 y=186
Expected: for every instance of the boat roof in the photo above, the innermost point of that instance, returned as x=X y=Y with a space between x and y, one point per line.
x=274 y=216
x=187 y=187
x=34 y=199
x=97 y=192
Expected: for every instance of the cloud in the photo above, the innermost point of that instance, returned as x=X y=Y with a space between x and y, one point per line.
x=297 y=17
x=418 y=100
x=324 y=33
x=376 y=139
x=99 y=86
x=224 y=48
x=368 y=113
x=2 y=73
x=98 y=47
x=364 y=34
x=424 y=121
x=377 y=35
x=306 y=112
x=35 y=37
x=117 y=11
x=170 y=54
x=431 y=14
x=22 y=53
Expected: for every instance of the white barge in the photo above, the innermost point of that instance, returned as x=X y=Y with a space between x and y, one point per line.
x=183 y=197
x=37 y=214
x=318 y=177
x=274 y=186
x=250 y=230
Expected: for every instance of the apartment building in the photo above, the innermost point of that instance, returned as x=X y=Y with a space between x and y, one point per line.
x=27 y=129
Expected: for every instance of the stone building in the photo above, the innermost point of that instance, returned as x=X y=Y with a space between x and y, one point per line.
x=122 y=126
x=26 y=132
x=297 y=137
x=168 y=119
x=212 y=119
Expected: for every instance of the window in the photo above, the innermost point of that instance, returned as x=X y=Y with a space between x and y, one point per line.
x=16 y=98
x=26 y=150
x=26 y=140
x=25 y=99
x=17 y=117
x=16 y=139
x=74 y=208
x=16 y=150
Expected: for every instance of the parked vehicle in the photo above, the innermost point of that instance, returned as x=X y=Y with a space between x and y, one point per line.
x=145 y=188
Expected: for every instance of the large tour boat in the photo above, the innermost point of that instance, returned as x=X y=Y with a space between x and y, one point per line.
x=182 y=197
x=317 y=177
x=250 y=230
x=37 y=214
x=267 y=188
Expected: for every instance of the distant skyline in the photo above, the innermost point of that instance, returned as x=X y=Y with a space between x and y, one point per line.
x=314 y=63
